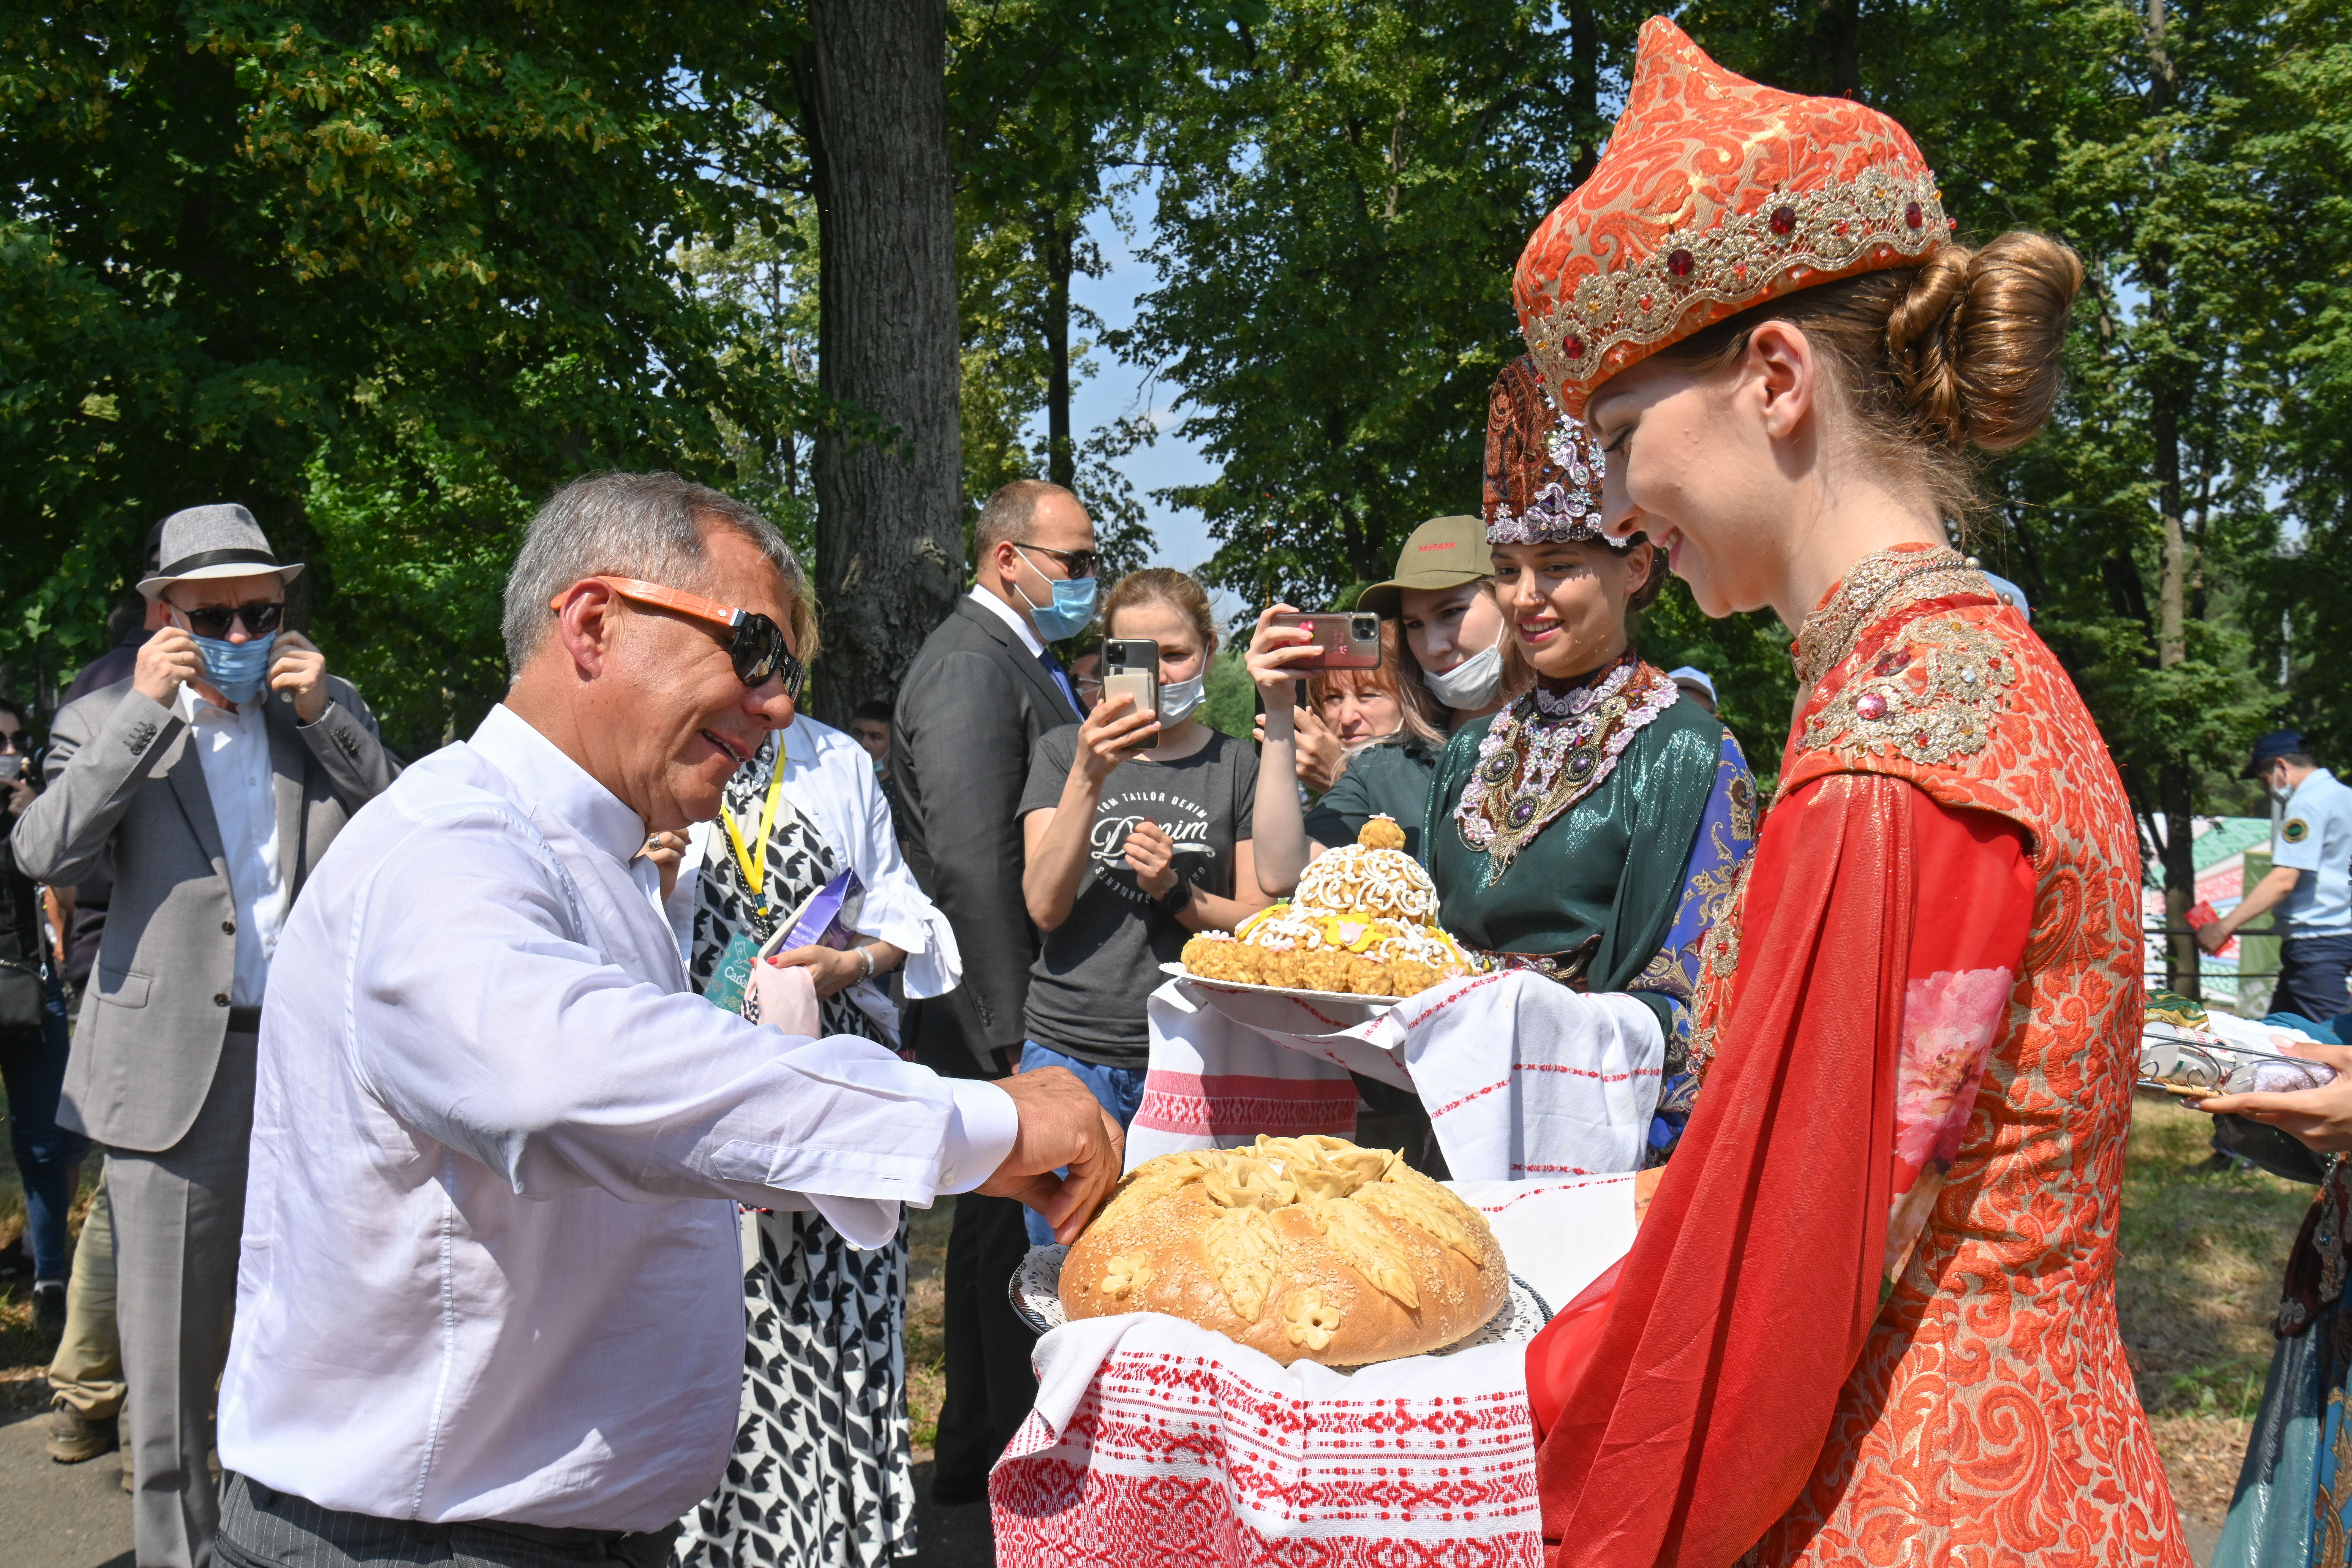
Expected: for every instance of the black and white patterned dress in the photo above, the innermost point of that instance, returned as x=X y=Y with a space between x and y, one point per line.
x=822 y=1473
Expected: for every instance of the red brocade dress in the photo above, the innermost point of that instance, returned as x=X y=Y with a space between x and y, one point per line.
x=1869 y=1317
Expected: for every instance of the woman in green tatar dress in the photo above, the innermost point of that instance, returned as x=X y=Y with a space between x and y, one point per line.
x=1591 y=829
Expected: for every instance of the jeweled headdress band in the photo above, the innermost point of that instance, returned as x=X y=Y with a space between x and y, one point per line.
x=1543 y=472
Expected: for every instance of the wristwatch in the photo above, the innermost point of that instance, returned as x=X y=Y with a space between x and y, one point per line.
x=1178 y=898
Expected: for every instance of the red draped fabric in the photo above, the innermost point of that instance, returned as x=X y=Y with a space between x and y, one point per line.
x=1685 y=1397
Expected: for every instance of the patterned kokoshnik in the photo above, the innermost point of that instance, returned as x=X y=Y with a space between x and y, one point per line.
x=821 y=1469
x=1547 y=753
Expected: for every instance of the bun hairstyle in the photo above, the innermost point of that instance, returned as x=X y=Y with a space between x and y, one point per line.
x=1960 y=351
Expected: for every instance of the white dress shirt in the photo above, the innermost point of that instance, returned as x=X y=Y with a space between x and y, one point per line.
x=233 y=745
x=489 y=1271
x=830 y=777
x=1022 y=626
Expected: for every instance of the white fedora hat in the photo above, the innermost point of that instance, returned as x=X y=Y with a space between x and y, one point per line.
x=220 y=540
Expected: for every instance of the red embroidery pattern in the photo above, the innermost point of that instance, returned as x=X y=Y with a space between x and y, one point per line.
x=1173 y=1458
x=1992 y=1418
x=1219 y=1105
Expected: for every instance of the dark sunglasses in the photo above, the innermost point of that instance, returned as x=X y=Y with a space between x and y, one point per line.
x=757 y=646
x=260 y=620
x=1078 y=564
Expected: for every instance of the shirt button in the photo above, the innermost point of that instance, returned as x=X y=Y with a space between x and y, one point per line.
x=228 y=927
x=220 y=998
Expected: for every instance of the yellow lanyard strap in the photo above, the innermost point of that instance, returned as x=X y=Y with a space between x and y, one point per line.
x=755 y=866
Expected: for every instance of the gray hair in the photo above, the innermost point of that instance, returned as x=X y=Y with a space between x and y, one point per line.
x=651 y=526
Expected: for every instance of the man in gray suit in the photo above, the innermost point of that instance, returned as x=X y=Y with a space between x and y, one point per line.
x=981 y=691
x=217 y=774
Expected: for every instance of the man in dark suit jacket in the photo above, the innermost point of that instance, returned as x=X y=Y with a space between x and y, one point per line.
x=216 y=776
x=981 y=691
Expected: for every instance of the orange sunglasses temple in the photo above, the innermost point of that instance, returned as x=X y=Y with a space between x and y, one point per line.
x=668 y=598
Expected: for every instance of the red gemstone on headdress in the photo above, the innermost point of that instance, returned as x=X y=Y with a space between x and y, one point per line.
x=1895 y=663
x=1914 y=216
x=1870 y=705
x=1784 y=221
x=1680 y=263
x=1573 y=346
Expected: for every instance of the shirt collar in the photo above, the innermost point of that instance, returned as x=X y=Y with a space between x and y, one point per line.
x=2316 y=776
x=193 y=708
x=1018 y=620
x=541 y=771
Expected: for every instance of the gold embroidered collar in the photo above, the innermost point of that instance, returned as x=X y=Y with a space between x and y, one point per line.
x=1830 y=633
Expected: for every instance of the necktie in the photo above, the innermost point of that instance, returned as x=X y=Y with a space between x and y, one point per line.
x=1061 y=677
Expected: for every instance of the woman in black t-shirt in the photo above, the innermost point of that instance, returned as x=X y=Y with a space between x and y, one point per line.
x=1131 y=851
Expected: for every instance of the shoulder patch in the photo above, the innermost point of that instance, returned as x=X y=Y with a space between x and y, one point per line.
x=2296 y=830
x=1931 y=696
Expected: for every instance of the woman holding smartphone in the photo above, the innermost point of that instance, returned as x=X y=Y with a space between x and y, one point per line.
x=1440 y=665
x=1137 y=824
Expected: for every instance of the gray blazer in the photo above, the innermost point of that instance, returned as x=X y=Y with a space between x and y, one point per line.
x=970 y=707
x=122 y=776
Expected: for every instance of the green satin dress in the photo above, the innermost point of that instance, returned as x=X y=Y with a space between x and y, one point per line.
x=1620 y=886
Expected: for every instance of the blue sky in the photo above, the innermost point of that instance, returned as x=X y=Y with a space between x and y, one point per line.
x=1119 y=389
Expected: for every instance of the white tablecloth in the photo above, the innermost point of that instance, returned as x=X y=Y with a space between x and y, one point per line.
x=1523 y=1077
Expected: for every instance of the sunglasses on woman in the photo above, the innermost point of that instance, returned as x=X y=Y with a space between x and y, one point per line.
x=757 y=646
x=260 y=620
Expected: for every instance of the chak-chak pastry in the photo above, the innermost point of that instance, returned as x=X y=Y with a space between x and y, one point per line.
x=1364 y=922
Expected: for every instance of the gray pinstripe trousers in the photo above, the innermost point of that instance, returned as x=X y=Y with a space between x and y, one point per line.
x=260 y=1527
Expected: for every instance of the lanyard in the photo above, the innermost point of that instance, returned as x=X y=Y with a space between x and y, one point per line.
x=755 y=868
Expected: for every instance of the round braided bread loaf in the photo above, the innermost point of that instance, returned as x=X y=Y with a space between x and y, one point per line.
x=1303 y=1247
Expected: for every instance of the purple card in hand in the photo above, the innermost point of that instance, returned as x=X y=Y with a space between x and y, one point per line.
x=824 y=921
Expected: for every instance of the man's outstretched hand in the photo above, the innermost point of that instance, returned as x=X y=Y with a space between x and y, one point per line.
x=1061 y=1125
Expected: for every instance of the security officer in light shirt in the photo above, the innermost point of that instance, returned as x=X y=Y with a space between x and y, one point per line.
x=2311 y=877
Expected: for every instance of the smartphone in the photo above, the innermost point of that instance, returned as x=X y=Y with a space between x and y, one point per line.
x=1349 y=641
x=1132 y=665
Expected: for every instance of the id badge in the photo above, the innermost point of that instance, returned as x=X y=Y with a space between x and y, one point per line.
x=728 y=981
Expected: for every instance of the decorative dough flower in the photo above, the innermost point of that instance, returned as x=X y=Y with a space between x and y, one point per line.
x=1309 y=1321
x=1127 y=1271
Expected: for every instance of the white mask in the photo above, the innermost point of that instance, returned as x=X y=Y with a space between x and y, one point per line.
x=1178 y=697
x=1470 y=684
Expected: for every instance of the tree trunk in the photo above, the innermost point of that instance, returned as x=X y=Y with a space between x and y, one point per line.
x=1840 y=47
x=1061 y=454
x=1584 y=90
x=2175 y=786
x=890 y=553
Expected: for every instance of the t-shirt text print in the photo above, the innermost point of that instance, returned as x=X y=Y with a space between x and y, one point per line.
x=1185 y=822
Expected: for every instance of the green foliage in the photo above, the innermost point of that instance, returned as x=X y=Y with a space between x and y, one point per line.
x=384 y=277
x=1341 y=193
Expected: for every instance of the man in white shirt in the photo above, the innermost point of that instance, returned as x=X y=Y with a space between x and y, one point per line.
x=215 y=777
x=490 y=1310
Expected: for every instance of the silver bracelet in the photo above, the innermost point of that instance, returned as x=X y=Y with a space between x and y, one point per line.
x=865 y=962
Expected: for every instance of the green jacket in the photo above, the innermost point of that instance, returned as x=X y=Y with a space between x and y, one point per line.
x=1389 y=779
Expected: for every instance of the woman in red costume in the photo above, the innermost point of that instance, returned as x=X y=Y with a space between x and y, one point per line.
x=1869 y=1315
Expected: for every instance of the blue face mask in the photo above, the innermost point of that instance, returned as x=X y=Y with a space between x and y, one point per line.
x=1068 y=615
x=237 y=669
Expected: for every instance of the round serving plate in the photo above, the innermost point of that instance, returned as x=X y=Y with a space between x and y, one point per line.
x=1035 y=1290
x=1366 y=1008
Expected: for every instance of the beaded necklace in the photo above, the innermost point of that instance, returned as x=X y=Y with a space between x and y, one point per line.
x=1546 y=751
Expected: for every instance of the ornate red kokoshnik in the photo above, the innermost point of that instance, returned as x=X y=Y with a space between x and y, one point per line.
x=1715 y=194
